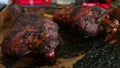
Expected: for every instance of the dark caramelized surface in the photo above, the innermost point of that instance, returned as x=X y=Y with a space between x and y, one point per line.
x=30 y=33
x=85 y=21
x=98 y=54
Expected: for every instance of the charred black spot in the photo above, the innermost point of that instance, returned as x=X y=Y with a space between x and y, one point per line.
x=26 y=34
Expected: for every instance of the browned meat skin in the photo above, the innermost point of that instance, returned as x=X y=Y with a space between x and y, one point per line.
x=89 y=21
x=7 y=17
x=31 y=34
x=115 y=12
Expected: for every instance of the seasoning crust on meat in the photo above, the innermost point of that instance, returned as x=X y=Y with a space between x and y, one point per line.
x=31 y=34
x=86 y=21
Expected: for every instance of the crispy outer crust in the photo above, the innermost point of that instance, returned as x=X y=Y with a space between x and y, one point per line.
x=89 y=21
x=31 y=34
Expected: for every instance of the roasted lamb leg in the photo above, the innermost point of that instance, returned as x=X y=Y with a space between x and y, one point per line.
x=31 y=34
x=86 y=21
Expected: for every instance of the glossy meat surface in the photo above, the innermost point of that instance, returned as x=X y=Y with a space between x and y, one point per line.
x=31 y=34
x=86 y=21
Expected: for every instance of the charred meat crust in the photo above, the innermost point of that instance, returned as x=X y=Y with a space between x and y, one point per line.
x=31 y=34
x=86 y=21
